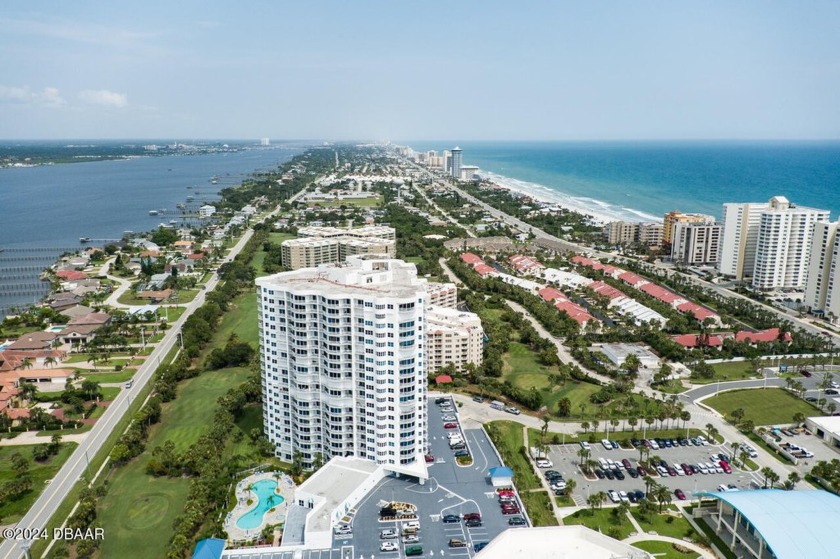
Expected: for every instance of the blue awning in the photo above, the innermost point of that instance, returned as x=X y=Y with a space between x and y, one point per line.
x=211 y=548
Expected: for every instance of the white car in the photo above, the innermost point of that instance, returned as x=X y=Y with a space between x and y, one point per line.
x=623 y=496
x=606 y=444
x=544 y=463
x=389 y=546
x=614 y=497
x=343 y=529
x=585 y=445
x=449 y=418
x=388 y=534
x=411 y=538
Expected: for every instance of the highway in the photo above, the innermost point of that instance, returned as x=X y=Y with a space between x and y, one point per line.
x=54 y=493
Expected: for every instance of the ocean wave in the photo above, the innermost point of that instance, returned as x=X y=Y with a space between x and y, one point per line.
x=599 y=209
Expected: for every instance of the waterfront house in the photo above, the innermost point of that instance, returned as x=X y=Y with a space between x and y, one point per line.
x=97 y=319
x=79 y=334
x=78 y=310
x=33 y=341
x=206 y=210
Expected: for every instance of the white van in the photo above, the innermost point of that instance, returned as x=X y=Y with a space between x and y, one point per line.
x=497 y=405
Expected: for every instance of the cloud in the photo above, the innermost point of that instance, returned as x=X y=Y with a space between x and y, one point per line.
x=80 y=32
x=47 y=97
x=104 y=98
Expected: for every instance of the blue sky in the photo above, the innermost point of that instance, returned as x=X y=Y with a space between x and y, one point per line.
x=420 y=70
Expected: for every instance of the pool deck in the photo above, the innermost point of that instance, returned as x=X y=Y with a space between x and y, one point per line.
x=285 y=488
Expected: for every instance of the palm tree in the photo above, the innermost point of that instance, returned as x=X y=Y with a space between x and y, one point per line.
x=711 y=432
x=663 y=496
x=50 y=361
x=585 y=426
x=593 y=501
x=767 y=472
x=26 y=363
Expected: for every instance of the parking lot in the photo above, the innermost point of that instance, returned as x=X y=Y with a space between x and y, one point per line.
x=451 y=489
x=566 y=460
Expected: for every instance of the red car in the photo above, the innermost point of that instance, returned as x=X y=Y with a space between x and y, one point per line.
x=514 y=510
x=680 y=495
x=472 y=516
x=726 y=467
x=505 y=492
x=430 y=458
x=450 y=425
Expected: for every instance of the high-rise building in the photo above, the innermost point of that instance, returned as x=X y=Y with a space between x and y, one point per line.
x=696 y=244
x=675 y=216
x=265 y=141
x=820 y=293
x=343 y=361
x=457 y=161
x=322 y=245
x=783 y=248
x=740 y=237
x=453 y=337
x=630 y=232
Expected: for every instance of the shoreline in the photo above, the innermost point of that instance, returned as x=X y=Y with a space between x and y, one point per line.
x=604 y=212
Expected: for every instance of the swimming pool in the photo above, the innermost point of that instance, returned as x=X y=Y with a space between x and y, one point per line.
x=268 y=499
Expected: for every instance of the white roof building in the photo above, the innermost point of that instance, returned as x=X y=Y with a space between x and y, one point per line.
x=559 y=542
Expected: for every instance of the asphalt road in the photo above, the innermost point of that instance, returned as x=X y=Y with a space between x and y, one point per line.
x=54 y=493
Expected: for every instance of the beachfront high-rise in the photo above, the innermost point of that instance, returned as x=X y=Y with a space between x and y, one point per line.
x=343 y=359
x=783 y=247
x=457 y=161
x=820 y=294
x=696 y=244
x=740 y=237
x=675 y=216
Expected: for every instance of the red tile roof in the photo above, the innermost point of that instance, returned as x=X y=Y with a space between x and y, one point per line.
x=471 y=259
x=71 y=275
x=660 y=293
x=769 y=335
x=551 y=294
x=700 y=313
x=574 y=311
x=631 y=279
x=602 y=288
x=484 y=269
x=693 y=340
x=443 y=379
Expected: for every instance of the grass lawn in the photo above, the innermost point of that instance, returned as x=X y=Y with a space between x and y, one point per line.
x=120 y=376
x=525 y=372
x=769 y=406
x=602 y=520
x=507 y=436
x=735 y=370
x=277 y=237
x=665 y=525
x=12 y=511
x=663 y=550
x=241 y=320
x=539 y=508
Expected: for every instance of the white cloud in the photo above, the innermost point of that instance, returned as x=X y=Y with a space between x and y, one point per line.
x=48 y=97
x=104 y=98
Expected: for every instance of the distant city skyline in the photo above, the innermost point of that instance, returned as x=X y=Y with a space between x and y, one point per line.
x=647 y=70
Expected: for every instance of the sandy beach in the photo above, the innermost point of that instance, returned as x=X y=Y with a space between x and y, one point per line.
x=600 y=212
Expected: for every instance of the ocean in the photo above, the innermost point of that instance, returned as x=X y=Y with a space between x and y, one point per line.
x=644 y=180
x=45 y=210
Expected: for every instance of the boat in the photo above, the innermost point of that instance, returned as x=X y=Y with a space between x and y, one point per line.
x=128 y=233
x=214 y=180
x=153 y=212
x=190 y=198
x=181 y=206
x=173 y=222
x=84 y=239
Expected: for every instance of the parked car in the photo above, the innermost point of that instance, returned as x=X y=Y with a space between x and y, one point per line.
x=613 y=496
x=413 y=550
x=449 y=418
x=478 y=399
x=641 y=470
x=451 y=519
x=430 y=458
x=479 y=546
x=514 y=411
x=606 y=444
x=460 y=445
x=440 y=401
x=831 y=391
x=516 y=521
x=610 y=474
x=389 y=546
x=450 y=425
x=585 y=445
x=473 y=523
x=472 y=516
x=456 y=542
x=623 y=496
x=619 y=475
x=680 y=495
x=343 y=529
x=544 y=463
x=805 y=372
x=411 y=538
x=599 y=473
x=462 y=452
x=727 y=469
